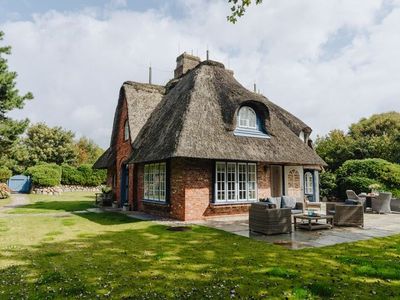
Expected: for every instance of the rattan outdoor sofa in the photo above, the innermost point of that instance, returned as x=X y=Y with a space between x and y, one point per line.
x=346 y=214
x=269 y=220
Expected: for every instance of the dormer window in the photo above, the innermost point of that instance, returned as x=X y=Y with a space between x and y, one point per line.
x=126 y=131
x=247 y=118
x=249 y=124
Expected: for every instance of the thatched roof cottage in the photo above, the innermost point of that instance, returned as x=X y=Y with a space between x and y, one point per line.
x=204 y=145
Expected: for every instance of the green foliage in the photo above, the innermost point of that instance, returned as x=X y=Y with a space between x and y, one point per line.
x=45 y=174
x=87 y=151
x=50 y=144
x=71 y=175
x=4 y=191
x=238 y=9
x=5 y=174
x=327 y=184
x=82 y=175
x=360 y=174
x=92 y=177
x=10 y=99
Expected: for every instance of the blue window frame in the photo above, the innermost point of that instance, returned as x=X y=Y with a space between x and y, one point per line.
x=249 y=124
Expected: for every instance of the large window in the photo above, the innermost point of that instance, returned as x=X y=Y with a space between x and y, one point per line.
x=235 y=182
x=247 y=118
x=155 y=182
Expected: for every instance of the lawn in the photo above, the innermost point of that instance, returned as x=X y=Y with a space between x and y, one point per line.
x=108 y=255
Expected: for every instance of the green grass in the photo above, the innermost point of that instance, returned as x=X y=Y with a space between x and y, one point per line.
x=111 y=256
x=4 y=202
x=67 y=202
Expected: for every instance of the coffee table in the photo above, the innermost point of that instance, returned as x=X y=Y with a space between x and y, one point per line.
x=311 y=222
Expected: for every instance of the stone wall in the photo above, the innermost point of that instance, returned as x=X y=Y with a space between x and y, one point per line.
x=58 y=190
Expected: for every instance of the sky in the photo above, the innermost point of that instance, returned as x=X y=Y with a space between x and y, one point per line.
x=328 y=62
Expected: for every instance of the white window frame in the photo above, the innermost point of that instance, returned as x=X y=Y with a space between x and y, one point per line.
x=244 y=118
x=154 y=182
x=308 y=183
x=223 y=188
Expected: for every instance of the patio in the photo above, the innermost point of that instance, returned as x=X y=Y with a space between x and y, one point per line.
x=375 y=225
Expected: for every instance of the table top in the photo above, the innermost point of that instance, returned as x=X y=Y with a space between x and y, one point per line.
x=307 y=217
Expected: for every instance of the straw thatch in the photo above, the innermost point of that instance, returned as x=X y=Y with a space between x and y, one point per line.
x=106 y=160
x=197 y=116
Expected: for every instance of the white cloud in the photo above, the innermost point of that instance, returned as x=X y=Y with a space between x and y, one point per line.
x=75 y=63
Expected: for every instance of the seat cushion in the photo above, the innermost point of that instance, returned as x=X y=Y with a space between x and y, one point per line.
x=275 y=200
x=296 y=211
x=288 y=202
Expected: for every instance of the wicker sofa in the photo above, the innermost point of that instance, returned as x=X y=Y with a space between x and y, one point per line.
x=345 y=214
x=269 y=220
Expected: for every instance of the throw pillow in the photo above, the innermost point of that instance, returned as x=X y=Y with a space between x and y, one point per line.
x=288 y=202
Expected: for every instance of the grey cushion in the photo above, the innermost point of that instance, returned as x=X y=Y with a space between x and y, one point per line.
x=351 y=202
x=288 y=202
x=296 y=211
x=275 y=200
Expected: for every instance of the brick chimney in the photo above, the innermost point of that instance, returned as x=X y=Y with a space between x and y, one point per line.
x=184 y=63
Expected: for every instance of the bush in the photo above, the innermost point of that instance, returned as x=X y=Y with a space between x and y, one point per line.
x=5 y=174
x=327 y=184
x=4 y=191
x=92 y=177
x=45 y=174
x=359 y=174
x=83 y=175
x=71 y=176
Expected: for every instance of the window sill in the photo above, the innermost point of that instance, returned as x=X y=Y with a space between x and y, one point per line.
x=232 y=203
x=155 y=202
x=250 y=133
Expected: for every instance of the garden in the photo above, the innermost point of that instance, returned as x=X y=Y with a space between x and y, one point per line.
x=57 y=247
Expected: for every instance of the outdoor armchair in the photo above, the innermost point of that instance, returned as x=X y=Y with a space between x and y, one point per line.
x=345 y=214
x=381 y=204
x=269 y=220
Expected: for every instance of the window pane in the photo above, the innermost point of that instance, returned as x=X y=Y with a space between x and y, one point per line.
x=242 y=181
x=247 y=118
x=252 y=181
x=221 y=178
x=231 y=181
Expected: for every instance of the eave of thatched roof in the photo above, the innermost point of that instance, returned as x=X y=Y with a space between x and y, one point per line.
x=106 y=160
x=197 y=117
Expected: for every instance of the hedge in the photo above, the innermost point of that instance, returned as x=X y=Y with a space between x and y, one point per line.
x=45 y=174
x=5 y=174
x=359 y=174
x=83 y=175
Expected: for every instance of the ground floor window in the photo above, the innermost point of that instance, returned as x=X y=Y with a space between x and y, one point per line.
x=155 y=182
x=235 y=181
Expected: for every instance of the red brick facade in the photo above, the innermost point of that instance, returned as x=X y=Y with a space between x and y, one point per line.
x=190 y=184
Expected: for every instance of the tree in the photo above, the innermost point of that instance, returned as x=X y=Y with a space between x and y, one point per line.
x=87 y=151
x=50 y=144
x=239 y=8
x=10 y=99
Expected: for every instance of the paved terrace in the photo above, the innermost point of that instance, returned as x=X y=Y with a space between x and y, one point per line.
x=375 y=225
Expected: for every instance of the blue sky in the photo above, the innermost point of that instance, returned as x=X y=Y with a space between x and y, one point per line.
x=329 y=62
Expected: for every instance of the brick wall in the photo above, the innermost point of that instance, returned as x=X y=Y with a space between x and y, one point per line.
x=124 y=150
x=191 y=191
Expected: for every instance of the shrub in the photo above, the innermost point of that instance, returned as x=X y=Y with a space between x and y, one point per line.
x=5 y=174
x=92 y=177
x=45 y=174
x=4 y=191
x=71 y=176
x=360 y=174
x=327 y=184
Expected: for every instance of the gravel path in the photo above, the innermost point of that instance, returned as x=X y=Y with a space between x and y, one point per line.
x=16 y=200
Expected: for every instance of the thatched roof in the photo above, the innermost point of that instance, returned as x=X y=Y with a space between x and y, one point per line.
x=141 y=99
x=106 y=160
x=197 y=116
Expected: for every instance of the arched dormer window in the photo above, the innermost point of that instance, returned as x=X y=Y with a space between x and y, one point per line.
x=249 y=123
x=126 y=131
x=247 y=118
